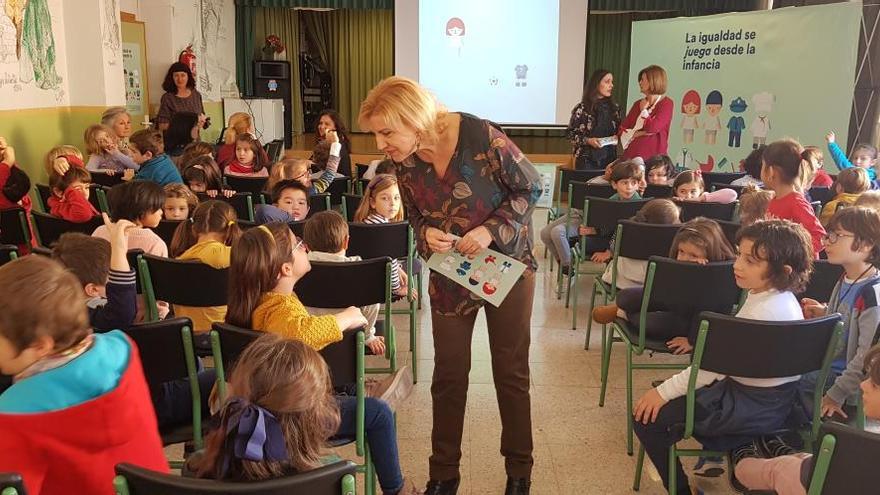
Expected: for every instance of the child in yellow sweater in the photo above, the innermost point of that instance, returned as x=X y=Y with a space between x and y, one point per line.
x=850 y=184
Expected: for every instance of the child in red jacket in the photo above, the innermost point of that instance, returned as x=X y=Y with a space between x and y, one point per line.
x=70 y=193
x=79 y=403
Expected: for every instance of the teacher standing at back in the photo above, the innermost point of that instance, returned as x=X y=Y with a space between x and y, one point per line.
x=645 y=130
x=466 y=186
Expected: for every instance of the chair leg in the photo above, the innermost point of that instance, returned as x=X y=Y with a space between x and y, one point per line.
x=590 y=318
x=419 y=282
x=640 y=462
x=629 y=401
x=574 y=303
x=559 y=283
x=673 y=479
x=413 y=341
x=369 y=473
x=608 y=338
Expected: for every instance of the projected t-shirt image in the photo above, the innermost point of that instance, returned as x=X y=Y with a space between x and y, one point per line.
x=492 y=58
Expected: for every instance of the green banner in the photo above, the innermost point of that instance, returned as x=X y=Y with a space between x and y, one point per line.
x=740 y=80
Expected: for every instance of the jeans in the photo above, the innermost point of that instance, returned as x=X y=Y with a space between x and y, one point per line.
x=381 y=436
x=174 y=402
x=556 y=234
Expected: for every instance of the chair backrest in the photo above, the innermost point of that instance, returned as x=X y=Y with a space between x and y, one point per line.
x=318 y=202
x=185 y=282
x=822 y=281
x=132 y=256
x=379 y=240
x=721 y=185
x=14 y=226
x=845 y=460
x=821 y=194
x=603 y=214
x=364 y=283
x=162 y=350
x=50 y=228
x=338 y=187
x=105 y=180
x=361 y=169
x=275 y=149
x=681 y=284
x=715 y=211
x=298 y=228
x=640 y=241
x=330 y=479
x=253 y=185
x=657 y=191
x=12 y=484
x=44 y=192
x=567 y=175
x=242 y=202
x=730 y=230
x=166 y=229
x=577 y=191
x=350 y=203
x=5 y=382
x=362 y=185
x=8 y=252
x=753 y=348
x=721 y=177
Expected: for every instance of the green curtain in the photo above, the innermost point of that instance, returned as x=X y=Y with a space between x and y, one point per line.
x=320 y=4
x=244 y=48
x=283 y=23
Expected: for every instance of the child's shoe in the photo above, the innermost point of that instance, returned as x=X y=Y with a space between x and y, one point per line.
x=749 y=450
x=605 y=314
x=393 y=389
x=775 y=446
x=709 y=467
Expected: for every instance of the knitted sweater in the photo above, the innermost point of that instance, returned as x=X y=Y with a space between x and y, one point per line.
x=285 y=315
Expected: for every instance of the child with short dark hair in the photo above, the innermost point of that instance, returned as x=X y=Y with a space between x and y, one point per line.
x=850 y=184
x=202 y=175
x=70 y=195
x=67 y=382
x=290 y=203
x=326 y=235
x=148 y=151
x=775 y=260
x=864 y=156
x=689 y=186
x=659 y=170
x=751 y=165
x=141 y=203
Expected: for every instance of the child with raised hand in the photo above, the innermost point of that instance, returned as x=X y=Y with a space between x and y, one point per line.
x=326 y=234
x=66 y=382
x=148 y=151
x=751 y=165
x=850 y=184
x=298 y=169
x=382 y=204
x=70 y=195
x=14 y=182
x=290 y=203
x=286 y=385
x=141 y=203
x=104 y=154
x=853 y=242
x=689 y=186
x=775 y=260
x=700 y=241
x=180 y=202
x=783 y=164
x=60 y=158
x=206 y=237
x=864 y=156
x=104 y=273
x=753 y=204
x=202 y=175
x=249 y=161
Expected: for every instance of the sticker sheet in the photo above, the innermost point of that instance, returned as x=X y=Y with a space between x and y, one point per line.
x=488 y=274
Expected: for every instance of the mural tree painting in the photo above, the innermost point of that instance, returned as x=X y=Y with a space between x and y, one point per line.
x=33 y=29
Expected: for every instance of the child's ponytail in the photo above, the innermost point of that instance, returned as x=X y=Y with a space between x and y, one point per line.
x=256 y=261
x=210 y=217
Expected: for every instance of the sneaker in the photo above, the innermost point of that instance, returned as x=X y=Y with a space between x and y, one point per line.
x=393 y=389
x=709 y=467
x=775 y=446
x=749 y=450
x=605 y=314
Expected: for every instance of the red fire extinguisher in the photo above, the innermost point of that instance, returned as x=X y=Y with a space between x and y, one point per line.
x=188 y=57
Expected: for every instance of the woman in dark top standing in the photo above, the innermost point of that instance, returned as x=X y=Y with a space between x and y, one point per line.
x=466 y=186
x=180 y=96
x=329 y=121
x=597 y=116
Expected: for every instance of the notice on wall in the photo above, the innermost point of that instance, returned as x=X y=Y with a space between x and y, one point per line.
x=134 y=79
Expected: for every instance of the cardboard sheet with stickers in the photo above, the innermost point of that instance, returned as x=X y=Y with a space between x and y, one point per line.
x=488 y=274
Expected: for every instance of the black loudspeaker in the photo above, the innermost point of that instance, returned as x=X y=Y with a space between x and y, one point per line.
x=272 y=80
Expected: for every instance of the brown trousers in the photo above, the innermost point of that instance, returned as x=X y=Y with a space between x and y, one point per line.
x=509 y=337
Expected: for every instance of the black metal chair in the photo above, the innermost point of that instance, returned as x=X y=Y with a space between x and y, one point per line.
x=183 y=282
x=11 y=484
x=8 y=253
x=14 y=228
x=361 y=185
x=567 y=176
x=298 y=228
x=730 y=230
x=657 y=191
x=274 y=150
x=721 y=185
x=339 y=186
x=319 y=202
x=843 y=463
x=350 y=203
x=166 y=229
x=167 y=353
x=105 y=180
x=253 y=185
x=335 y=479
x=361 y=169
x=49 y=228
x=821 y=194
x=715 y=211
x=242 y=202
x=721 y=177
x=822 y=281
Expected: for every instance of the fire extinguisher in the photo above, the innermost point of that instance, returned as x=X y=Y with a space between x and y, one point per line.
x=188 y=57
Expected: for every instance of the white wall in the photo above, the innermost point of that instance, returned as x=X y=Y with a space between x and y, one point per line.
x=94 y=55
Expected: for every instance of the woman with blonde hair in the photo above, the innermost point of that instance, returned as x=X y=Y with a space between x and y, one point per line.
x=465 y=185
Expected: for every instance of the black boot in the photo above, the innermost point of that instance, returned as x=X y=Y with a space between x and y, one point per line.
x=445 y=487
x=517 y=486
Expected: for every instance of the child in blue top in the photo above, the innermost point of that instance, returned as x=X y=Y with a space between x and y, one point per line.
x=147 y=151
x=863 y=156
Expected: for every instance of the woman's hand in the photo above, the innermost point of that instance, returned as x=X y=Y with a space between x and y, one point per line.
x=648 y=407
x=202 y=119
x=474 y=241
x=438 y=241
x=594 y=142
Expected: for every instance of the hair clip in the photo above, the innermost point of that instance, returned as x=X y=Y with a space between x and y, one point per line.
x=230 y=223
x=190 y=220
x=268 y=232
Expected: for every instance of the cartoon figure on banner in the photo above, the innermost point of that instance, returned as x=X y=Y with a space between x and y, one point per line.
x=712 y=123
x=455 y=33
x=521 y=71
x=763 y=103
x=736 y=125
x=690 y=107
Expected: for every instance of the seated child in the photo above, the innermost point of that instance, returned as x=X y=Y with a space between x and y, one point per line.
x=56 y=159
x=14 y=187
x=195 y=150
x=753 y=204
x=789 y=473
x=180 y=202
x=147 y=150
x=141 y=203
x=286 y=385
x=864 y=156
x=298 y=170
x=869 y=199
x=381 y=204
x=202 y=175
x=752 y=167
x=853 y=242
x=659 y=170
x=775 y=260
x=700 y=240
x=689 y=186
x=249 y=161
x=631 y=272
x=67 y=383
x=851 y=183
x=290 y=203
x=70 y=194
x=104 y=155
x=326 y=235
x=817 y=161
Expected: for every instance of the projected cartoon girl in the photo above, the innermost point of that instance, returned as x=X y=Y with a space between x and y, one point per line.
x=455 y=33
x=690 y=107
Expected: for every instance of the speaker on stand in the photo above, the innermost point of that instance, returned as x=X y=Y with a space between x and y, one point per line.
x=272 y=80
